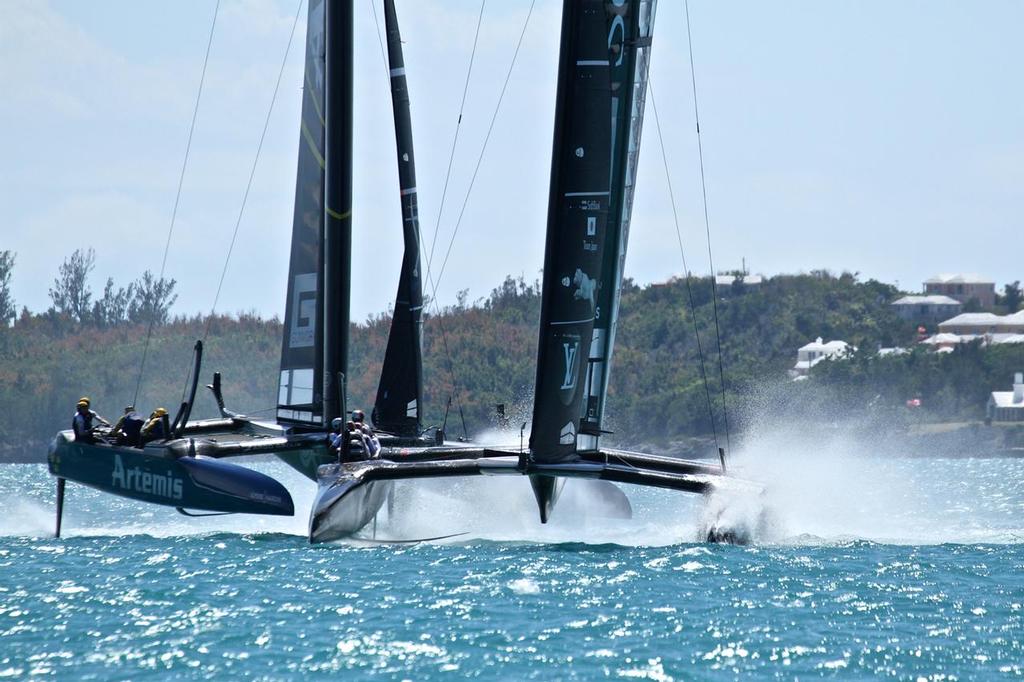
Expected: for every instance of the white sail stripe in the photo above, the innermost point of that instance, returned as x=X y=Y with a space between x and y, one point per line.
x=587 y=194
x=587 y=319
x=407 y=192
x=400 y=71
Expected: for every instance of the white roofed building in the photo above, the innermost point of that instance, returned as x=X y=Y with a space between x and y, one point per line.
x=963 y=287
x=1007 y=406
x=727 y=284
x=984 y=323
x=811 y=354
x=927 y=308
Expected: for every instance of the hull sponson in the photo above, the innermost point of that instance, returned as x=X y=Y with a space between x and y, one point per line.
x=160 y=475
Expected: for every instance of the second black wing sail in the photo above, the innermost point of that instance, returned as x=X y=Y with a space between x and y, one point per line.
x=400 y=393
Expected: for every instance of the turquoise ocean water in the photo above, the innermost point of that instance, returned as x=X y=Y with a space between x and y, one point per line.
x=864 y=568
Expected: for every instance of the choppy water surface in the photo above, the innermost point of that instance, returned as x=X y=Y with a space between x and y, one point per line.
x=911 y=568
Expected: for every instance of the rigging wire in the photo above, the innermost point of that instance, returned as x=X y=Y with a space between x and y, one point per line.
x=483 y=149
x=380 y=40
x=455 y=138
x=686 y=270
x=430 y=279
x=177 y=198
x=252 y=170
x=707 y=225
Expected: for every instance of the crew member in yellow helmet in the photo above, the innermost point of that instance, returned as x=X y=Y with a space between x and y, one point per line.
x=82 y=422
x=154 y=427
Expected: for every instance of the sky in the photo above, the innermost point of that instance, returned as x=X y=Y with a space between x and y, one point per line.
x=877 y=137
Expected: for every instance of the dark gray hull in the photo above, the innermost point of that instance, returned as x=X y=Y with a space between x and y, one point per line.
x=352 y=494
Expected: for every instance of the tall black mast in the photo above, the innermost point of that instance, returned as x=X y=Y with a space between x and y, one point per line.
x=337 y=202
x=400 y=393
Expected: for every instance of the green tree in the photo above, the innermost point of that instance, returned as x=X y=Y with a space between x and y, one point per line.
x=1012 y=296
x=71 y=295
x=112 y=309
x=7 y=307
x=151 y=299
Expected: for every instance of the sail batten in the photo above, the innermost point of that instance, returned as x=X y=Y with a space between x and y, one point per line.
x=598 y=117
x=397 y=407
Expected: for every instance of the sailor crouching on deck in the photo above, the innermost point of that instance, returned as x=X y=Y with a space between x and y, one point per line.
x=128 y=429
x=82 y=422
x=337 y=436
x=154 y=427
x=352 y=441
x=370 y=441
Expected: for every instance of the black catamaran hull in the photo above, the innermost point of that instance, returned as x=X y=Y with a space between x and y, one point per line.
x=352 y=494
x=170 y=475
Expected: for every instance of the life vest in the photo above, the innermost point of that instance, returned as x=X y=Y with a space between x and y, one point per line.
x=131 y=426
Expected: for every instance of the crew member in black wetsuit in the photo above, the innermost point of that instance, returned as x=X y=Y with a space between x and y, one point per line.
x=370 y=441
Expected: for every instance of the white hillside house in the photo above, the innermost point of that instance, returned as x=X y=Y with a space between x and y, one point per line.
x=1008 y=406
x=816 y=351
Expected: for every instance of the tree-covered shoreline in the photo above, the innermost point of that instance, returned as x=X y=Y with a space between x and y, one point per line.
x=482 y=354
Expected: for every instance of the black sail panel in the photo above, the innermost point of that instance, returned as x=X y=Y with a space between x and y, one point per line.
x=577 y=222
x=585 y=247
x=400 y=393
x=300 y=387
x=337 y=261
x=629 y=89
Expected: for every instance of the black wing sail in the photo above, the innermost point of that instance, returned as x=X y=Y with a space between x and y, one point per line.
x=337 y=204
x=315 y=336
x=400 y=393
x=598 y=116
x=629 y=90
x=300 y=389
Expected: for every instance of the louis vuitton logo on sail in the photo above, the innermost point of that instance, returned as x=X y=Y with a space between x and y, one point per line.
x=570 y=350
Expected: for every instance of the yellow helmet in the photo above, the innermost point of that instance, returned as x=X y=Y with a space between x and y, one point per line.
x=83 y=401
x=159 y=412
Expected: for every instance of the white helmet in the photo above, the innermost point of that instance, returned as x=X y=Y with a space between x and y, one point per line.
x=337 y=423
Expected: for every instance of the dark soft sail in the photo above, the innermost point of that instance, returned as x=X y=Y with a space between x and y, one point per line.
x=315 y=341
x=300 y=389
x=400 y=393
x=598 y=116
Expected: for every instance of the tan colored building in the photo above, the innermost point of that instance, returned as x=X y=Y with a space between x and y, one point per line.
x=963 y=287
